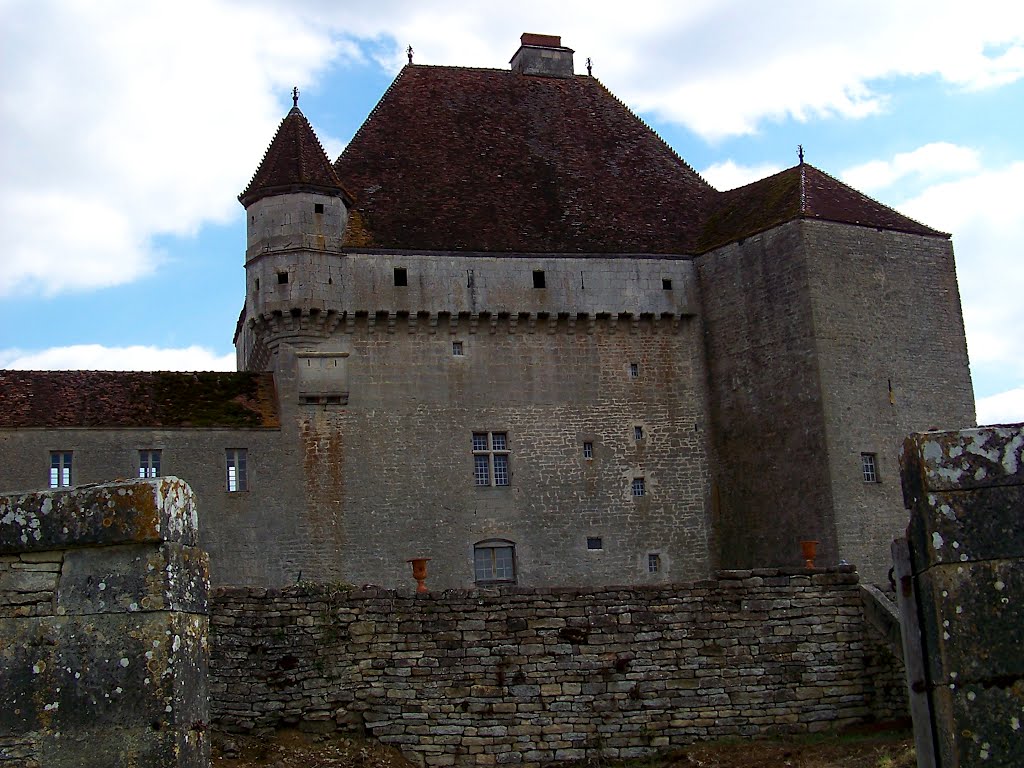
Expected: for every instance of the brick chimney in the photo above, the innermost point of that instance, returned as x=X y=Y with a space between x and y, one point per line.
x=542 y=55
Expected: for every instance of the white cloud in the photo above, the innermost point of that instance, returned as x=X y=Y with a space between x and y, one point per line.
x=1003 y=408
x=929 y=162
x=729 y=175
x=94 y=357
x=124 y=122
x=985 y=211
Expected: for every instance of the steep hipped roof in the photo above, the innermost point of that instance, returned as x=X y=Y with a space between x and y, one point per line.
x=457 y=159
x=113 y=399
x=294 y=162
x=490 y=160
x=800 y=192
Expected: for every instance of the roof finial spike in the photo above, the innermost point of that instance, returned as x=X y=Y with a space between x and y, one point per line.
x=589 y=66
x=800 y=153
x=409 y=52
x=295 y=96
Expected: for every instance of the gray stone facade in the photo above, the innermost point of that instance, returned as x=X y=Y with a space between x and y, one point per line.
x=684 y=380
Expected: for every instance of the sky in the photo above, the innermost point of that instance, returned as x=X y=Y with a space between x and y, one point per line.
x=130 y=128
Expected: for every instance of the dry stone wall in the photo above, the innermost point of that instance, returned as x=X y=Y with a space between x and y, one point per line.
x=527 y=676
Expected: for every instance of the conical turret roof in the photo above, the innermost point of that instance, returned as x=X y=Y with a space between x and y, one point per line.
x=294 y=162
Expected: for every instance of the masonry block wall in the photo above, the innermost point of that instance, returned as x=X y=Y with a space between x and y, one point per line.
x=581 y=427
x=892 y=358
x=810 y=373
x=771 y=480
x=103 y=628
x=965 y=491
x=529 y=676
x=252 y=536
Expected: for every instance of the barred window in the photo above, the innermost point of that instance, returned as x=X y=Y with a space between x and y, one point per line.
x=490 y=459
x=639 y=486
x=588 y=450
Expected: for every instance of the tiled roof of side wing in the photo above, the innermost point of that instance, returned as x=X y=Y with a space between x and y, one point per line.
x=492 y=161
x=113 y=399
x=802 y=191
x=294 y=161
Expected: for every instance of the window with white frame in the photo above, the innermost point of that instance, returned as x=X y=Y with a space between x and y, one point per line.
x=653 y=562
x=237 y=475
x=639 y=487
x=588 y=450
x=494 y=560
x=149 y=463
x=60 y=469
x=869 y=467
x=490 y=458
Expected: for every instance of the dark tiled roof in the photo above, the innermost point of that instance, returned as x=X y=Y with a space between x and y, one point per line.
x=457 y=159
x=802 y=191
x=828 y=198
x=488 y=160
x=113 y=399
x=294 y=162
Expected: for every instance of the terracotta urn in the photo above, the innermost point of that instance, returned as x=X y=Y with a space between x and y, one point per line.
x=419 y=572
x=808 y=549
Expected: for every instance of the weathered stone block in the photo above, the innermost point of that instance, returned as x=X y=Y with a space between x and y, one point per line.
x=989 y=725
x=130 y=512
x=137 y=577
x=973 y=620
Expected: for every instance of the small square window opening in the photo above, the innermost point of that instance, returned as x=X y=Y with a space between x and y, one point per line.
x=457 y=349
x=869 y=467
x=639 y=487
x=149 y=463
x=318 y=207
x=634 y=370
x=588 y=450
x=282 y=278
x=666 y=284
x=60 y=469
x=538 y=278
x=594 y=542
x=401 y=276
x=653 y=562
x=237 y=475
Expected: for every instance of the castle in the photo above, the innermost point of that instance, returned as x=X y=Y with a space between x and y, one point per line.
x=512 y=331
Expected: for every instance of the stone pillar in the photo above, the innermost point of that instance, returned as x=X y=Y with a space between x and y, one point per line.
x=965 y=491
x=103 y=627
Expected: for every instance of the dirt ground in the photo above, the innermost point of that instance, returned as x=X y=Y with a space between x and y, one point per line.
x=292 y=749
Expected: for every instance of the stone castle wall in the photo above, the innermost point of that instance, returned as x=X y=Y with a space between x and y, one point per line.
x=893 y=360
x=771 y=483
x=405 y=432
x=252 y=537
x=826 y=341
x=528 y=676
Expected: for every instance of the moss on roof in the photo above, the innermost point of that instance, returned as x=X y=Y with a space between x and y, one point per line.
x=115 y=399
